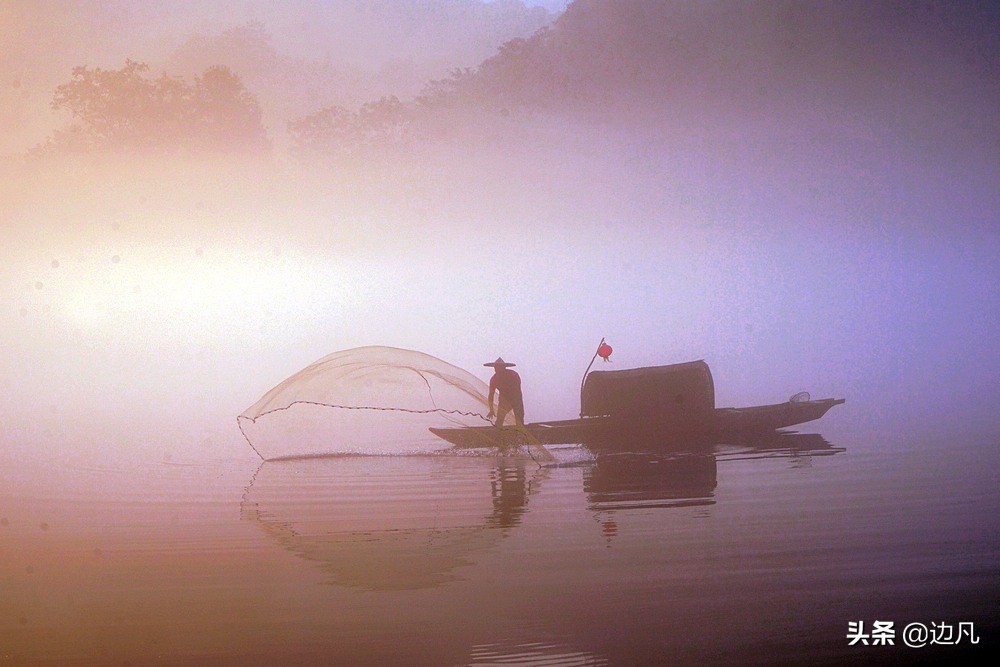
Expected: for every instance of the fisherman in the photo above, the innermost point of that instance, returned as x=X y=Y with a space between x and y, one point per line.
x=508 y=384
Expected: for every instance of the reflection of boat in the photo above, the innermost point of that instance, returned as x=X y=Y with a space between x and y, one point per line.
x=630 y=481
x=380 y=523
x=621 y=481
x=777 y=444
x=663 y=405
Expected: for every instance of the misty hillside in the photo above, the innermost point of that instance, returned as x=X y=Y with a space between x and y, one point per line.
x=770 y=97
x=921 y=73
x=757 y=54
x=308 y=52
x=785 y=110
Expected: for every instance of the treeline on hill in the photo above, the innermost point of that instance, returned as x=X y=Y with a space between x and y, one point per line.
x=569 y=65
x=602 y=58
x=126 y=110
x=599 y=54
x=129 y=110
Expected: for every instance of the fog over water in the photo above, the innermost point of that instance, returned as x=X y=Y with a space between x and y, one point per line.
x=199 y=200
x=802 y=216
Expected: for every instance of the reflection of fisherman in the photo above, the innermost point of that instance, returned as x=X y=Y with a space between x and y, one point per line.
x=508 y=384
x=509 y=488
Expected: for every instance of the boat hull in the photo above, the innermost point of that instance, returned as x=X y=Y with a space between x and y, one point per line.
x=771 y=417
x=607 y=432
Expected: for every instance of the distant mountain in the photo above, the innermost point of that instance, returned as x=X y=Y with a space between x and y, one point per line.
x=626 y=52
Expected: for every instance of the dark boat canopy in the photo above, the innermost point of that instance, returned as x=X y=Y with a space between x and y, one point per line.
x=678 y=393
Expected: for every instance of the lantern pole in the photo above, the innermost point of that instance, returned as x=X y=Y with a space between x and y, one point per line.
x=584 y=380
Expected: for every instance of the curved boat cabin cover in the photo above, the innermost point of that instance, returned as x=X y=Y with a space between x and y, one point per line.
x=679 y=394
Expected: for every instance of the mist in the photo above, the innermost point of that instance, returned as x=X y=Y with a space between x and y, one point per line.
x=804 y=196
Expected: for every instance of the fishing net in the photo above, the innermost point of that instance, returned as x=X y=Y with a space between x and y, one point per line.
x=372 y=400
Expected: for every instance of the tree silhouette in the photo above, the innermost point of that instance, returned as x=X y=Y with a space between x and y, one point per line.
x=125 y=110
x=335 y=131
x=226 y=115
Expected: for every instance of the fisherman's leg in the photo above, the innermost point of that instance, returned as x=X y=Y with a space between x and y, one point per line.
x=503 y=408
x=519 y=413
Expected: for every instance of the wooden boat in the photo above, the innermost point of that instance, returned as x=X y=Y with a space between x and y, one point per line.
x=771 y=417
x=660 y=406
x=606 y=430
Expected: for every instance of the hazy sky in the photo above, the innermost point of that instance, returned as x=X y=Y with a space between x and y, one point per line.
x=835 y=231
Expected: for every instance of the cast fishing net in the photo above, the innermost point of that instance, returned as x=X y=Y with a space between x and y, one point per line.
x=372 y=400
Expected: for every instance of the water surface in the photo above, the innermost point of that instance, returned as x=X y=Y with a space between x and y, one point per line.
x=734 y=557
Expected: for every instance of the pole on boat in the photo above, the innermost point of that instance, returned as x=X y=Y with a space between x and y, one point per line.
x=584 y=380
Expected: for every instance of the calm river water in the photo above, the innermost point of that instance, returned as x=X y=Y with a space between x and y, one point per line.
x=739 y=556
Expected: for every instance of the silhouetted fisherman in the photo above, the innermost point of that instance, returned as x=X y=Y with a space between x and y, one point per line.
x=508 y=384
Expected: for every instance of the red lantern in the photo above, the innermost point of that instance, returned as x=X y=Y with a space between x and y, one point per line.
x=604 y=351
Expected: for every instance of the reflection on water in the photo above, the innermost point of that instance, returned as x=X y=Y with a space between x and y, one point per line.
x=756 y=552
x=534 y=653
x=641 y=480
x=388 y=523
x=396 y=523
x=637 y=481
